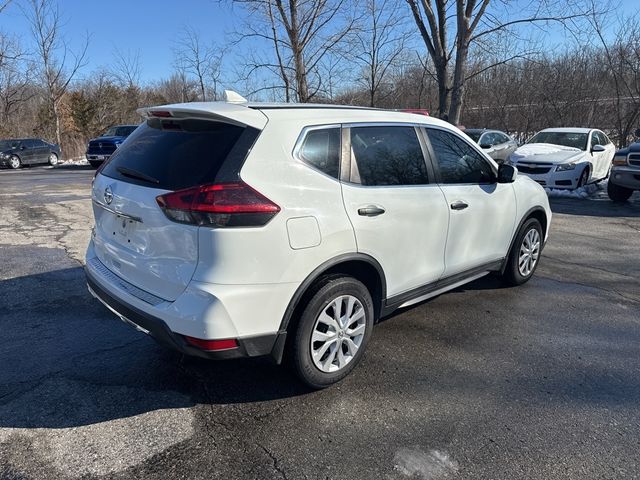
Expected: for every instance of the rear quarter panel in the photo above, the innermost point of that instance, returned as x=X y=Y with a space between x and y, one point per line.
x=266 y=254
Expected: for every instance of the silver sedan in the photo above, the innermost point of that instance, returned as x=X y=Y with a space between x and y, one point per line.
x=497 y=144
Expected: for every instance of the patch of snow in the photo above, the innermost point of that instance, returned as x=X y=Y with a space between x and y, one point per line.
x=587 y=192
x=75 y=161
x=430 y=465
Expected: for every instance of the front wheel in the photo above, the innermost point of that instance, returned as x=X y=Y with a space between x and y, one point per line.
x=53 y=159
x=618 y=193
x=525 y=253
x=333 y=331
x=584 y=178
x=14 y=162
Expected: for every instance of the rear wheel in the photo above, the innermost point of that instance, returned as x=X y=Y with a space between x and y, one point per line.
x=53 y=159
x=618 y=193
x=525 y=254
x=14 y=162
x=333 y=331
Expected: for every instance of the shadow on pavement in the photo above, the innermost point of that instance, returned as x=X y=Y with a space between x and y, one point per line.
x=67 y=361
x=596 y=208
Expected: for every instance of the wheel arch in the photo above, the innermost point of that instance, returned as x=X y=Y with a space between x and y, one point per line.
x=535 y=212
x=363 y=267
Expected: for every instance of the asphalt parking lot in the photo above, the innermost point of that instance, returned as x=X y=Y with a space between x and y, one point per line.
x=541 y=381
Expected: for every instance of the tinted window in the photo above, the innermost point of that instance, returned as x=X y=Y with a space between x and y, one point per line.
x=321 y=149
x=388 y=156
x=29 y=143
x=502 y=138
x=38 y=143
x=178 y=154
x=490 y=139
x=459 y=162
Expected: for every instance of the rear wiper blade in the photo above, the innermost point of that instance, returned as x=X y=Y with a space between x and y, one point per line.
x=127 y=172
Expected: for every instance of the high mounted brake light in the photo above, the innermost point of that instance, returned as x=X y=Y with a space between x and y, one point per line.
x=160 y=113
x=218 y=205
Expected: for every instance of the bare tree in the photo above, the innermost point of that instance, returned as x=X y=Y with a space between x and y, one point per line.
x=199 y=60
x=378 y=44
x=56 y=68
x=303 y=34
x=126 y=67
x=474 y=23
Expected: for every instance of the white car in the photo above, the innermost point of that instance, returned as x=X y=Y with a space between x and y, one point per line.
x=232 y=229
x=565 y=158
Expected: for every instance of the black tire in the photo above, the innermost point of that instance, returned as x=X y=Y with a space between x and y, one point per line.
x=318 y=299
x=618 y=193
x=53 y=159
x=584 y=178
x=15 y=162
x=95 y=164
x=512 y=274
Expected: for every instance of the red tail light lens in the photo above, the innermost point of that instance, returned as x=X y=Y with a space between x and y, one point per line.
x=212 y=345
x=221 y=205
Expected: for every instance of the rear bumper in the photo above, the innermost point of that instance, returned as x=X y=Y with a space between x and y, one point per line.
x=160 y=331
x=625 y=177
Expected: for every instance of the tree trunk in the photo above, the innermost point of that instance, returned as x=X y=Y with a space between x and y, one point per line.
x=458 y=87
x=56 y=116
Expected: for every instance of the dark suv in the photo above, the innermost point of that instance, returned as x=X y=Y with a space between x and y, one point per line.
x=27 y=151
x=624 y=177
x=101 y=148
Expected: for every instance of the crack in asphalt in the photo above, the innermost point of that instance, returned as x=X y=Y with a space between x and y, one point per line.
x=560 y=260
x=573 y=282
x=60 y=372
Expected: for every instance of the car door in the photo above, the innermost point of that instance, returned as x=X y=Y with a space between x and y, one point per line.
x=26 y=152
x=40 y=151
x=482 y=212
x=398 y=212
x=597 y=158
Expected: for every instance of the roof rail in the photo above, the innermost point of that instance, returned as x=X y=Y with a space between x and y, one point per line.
x=233 y=97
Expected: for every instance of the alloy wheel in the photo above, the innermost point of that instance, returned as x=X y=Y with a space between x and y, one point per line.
x=529 y=252
x=53 y=159
x=338 y=333
x=14 y=162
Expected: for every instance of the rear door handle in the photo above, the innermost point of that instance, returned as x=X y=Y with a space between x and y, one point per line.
x=459 y=205
x=371 y=211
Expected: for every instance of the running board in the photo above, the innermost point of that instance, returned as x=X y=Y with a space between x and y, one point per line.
x=435 y=293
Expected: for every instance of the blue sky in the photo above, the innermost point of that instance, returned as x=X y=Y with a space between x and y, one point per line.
x=148 y=26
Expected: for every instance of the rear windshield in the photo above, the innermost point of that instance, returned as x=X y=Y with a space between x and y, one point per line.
x=123 y=131
x=172 y=155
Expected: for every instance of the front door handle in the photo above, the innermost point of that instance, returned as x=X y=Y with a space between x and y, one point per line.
x=371 y=211
x=459 y=205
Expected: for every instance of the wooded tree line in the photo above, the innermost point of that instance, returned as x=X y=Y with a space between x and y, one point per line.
x=480 y=63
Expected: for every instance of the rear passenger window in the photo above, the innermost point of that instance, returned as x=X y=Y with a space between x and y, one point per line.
x=388 y=156
x=459 y=162
x=321 y=149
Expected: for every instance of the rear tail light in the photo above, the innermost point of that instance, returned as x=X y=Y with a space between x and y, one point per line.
x=212 y=345
x=219 y=205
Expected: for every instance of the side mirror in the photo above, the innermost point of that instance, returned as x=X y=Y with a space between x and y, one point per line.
x=487 y=146
x=507 y=173
x=597 y=148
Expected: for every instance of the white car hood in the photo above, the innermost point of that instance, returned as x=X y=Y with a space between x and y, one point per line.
x=546 y=153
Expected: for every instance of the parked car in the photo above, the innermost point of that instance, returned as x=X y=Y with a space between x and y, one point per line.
x=565 y=158
x=230 y=230
x=101 y=148
x=28 y=151
x=498 y=145
x=625 y=172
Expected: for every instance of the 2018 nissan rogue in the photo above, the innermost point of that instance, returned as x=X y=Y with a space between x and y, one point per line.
x=233 y=229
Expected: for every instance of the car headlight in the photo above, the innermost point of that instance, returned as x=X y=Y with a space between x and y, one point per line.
x=565 y=166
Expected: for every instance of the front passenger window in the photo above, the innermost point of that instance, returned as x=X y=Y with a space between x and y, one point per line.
x=458 y=161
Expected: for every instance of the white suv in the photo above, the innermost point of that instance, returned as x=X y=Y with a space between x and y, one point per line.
x=235 y=229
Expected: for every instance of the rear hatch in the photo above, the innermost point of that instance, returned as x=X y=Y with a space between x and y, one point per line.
x=177 y=148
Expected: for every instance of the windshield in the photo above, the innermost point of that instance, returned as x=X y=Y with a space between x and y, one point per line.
x=9 y=144
x=123 y=131
x=474 y=134
x=567 y=139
